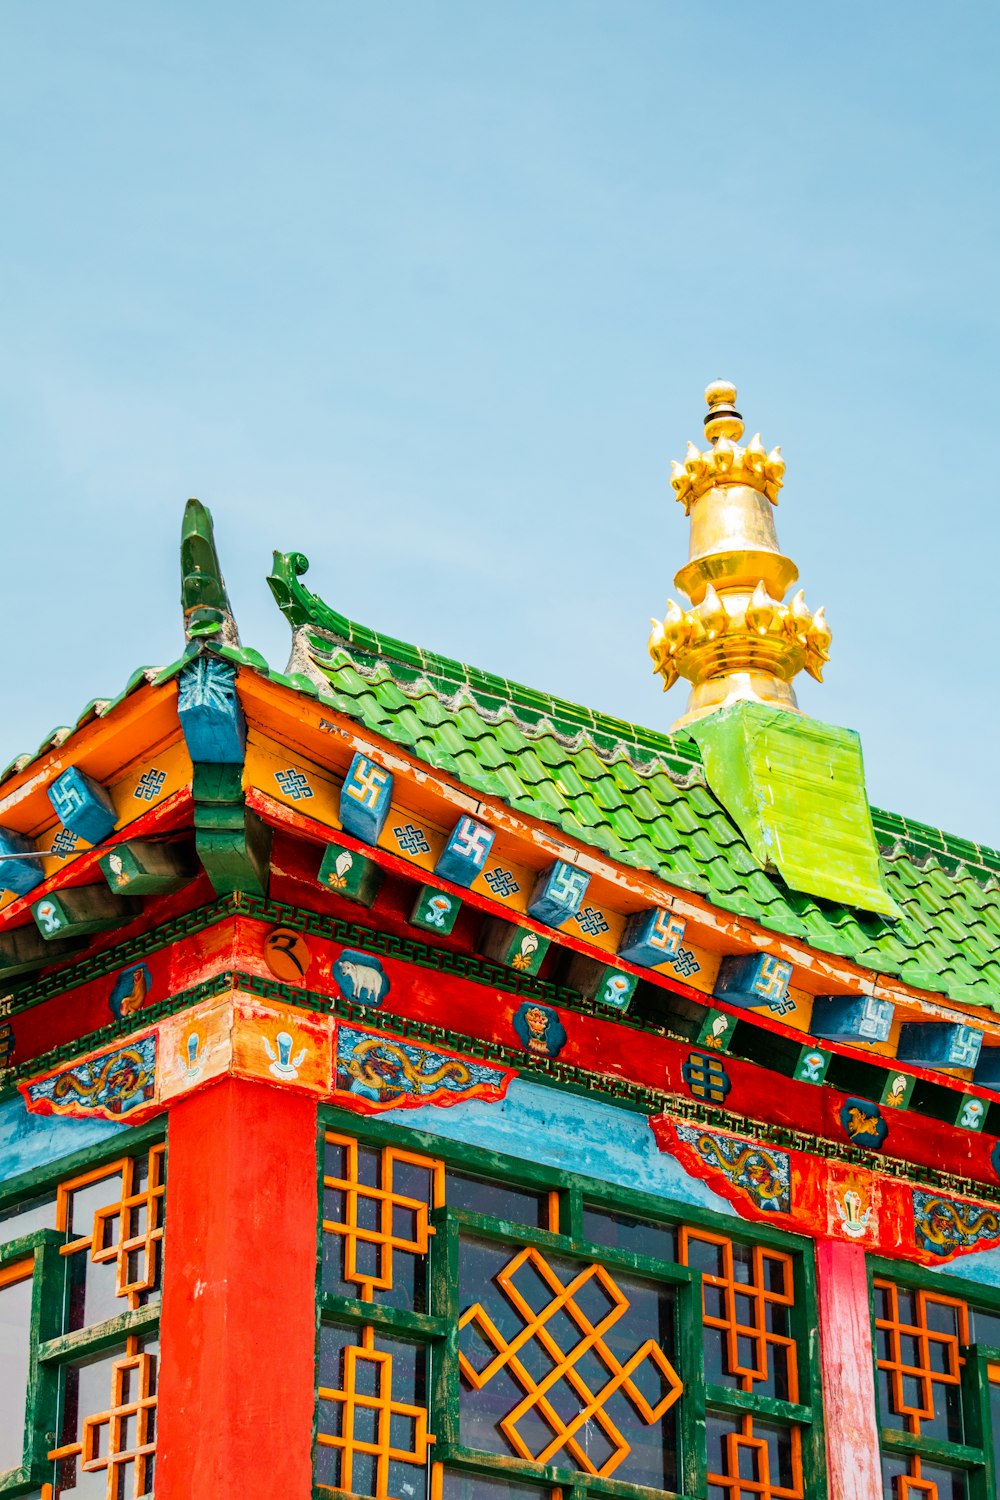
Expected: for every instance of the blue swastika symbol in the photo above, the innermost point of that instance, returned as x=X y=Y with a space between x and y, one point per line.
x=473 y=840
x=569 y=886
x=66 y=798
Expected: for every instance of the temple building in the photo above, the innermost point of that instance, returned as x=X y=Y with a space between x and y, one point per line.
x=420 y=1087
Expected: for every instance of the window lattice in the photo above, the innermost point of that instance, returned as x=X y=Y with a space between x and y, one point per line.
x=557 y=1332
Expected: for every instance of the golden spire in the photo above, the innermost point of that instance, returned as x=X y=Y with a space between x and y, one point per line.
x=738 y=640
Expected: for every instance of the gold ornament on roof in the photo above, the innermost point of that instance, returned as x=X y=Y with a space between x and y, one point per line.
x=738 y=640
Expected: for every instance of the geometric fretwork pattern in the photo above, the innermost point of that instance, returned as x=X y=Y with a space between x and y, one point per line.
x=919 y=1359
x=566 y=1335
x=126 y=1230
x=120 y=1441
x=370 y=1419
x=747 y=1468
x=747 y=1307
x=377 y=1220
x=919 y=1483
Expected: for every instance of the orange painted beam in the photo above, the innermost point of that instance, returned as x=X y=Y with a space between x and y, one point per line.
x=238 y=1326
x=853 y=1461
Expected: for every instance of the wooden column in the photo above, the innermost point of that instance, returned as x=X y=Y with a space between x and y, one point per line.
x=238 y=1329
x=854 y=1468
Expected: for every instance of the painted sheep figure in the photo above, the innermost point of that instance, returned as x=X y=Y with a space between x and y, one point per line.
x=368 y=981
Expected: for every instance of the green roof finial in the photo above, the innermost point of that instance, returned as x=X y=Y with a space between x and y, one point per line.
x=207 y=611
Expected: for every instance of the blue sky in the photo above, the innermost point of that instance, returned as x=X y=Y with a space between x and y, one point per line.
x=430 y=290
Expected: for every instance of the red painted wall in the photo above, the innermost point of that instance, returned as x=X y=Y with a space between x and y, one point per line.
x=238 y=1327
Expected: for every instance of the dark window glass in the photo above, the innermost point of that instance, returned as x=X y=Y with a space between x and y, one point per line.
x=40 y=1213
x=15 y=1349
x=622 y=1232
x=499 y=1200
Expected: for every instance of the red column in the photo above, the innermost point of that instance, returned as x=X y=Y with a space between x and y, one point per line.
x=238 y=1329
x=853 y=1462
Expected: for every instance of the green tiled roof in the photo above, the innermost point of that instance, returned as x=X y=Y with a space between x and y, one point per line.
x=641 y=797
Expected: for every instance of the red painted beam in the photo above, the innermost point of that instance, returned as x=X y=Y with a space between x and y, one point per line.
x=854 y=1469
x=238 y=1328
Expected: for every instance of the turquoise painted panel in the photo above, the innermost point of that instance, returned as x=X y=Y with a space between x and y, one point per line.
x=466 y=852
x=82 y=805
x=576 y=1134
x=365 y=799
x=558 y=893
x=983 y=1267
x=29 y=1141
x=210 y=713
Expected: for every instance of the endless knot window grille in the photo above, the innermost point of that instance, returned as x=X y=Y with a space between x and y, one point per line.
x=562 y=1358
x=559 y=1335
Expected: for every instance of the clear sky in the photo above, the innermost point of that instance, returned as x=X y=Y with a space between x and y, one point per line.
x=430 y=290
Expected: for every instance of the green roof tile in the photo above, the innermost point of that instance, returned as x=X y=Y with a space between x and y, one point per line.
x=642 y=796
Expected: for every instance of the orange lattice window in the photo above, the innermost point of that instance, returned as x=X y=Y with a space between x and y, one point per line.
x=564 y=1361
x=748 y=1293
x=109 y=1415
x=372 y=1432
x=753 y=1460
x=917 y=1479
x=113 y=1217
x=919 y=1337
x=376 y=1208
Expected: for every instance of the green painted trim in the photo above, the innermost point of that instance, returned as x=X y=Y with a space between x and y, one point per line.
x=391 y=1320
x=928 y=1280
x=42 y=1247
x=503 y=1232
x=83 y=1342
x=976 y=1402
x=770 y=1408
x=933 y=1449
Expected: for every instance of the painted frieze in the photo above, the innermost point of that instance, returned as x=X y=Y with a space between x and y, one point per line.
x=108 y=1085
x=381 y=1072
